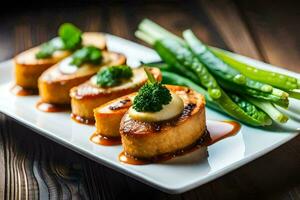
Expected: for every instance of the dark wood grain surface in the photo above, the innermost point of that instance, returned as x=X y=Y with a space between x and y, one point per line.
x=33 y=167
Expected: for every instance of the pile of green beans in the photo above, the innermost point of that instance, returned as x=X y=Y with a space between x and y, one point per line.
x=242 y=91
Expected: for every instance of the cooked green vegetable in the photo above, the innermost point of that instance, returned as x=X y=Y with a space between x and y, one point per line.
x=151 y=32
x=152 y=96
x=161 y=65
x=89 y=54
x=295 y=93
x=171 y=78
x=226 y=72
x=236 y=109
x=193 y=56
x=69 y=39
x=180 y=54
x=218 y=67
x=275 y=79
x=114 y=75
x=172 y=61
x=251 y=109
x=281 y=99
x=270 y=109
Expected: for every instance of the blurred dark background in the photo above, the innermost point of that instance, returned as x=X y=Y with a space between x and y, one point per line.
x=269 y=24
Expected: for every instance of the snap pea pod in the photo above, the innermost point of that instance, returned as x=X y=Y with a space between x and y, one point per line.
x=175 y=79
x=275 y=79
x=220 y=68
x=165 y=67
x=172 y=51
x=250 y=109
x=187 y=60
x=295 y=93
x=159 y=64
x=156 y=32
x=226 y=72
x=240 y=109
x=150 y=32
x=281 y=100
x=269 y=108
x=173 y=62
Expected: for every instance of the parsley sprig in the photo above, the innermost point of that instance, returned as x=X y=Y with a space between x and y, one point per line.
x=69 y=39
x=88 y=54
x=114 y=75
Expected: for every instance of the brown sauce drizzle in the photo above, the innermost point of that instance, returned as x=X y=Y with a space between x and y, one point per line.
x=20 y=91
x=83 y=120
x=49 y=107
x=213 y=134
x=104 y=140
x=217 y=132
x=125 y=158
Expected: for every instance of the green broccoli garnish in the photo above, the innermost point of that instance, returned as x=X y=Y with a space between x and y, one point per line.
x=89 y=54
x=114 y=75
x=152 y=96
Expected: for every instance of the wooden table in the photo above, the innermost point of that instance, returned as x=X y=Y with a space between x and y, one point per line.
x=32 y=166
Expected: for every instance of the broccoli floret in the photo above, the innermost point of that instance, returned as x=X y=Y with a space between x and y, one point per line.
x=112 y=76
x=152 y=96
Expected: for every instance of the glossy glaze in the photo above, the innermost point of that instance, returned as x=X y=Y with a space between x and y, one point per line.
x=220 y=130
x=106 y=141
x=20 y=91
x=82 y=120
x=49 y=107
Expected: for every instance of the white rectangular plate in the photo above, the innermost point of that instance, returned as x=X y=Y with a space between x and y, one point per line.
x=175 y=176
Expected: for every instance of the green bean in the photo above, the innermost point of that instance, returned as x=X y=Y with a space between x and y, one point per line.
x=187 y=60
x=160 y=64
x=295 y=93
x=270 y=109
x=226 y=72
x=281 y=99
x=250 y=108
x=173 y=52
x=275 y=79
x=220 y=68
x=169 y=58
